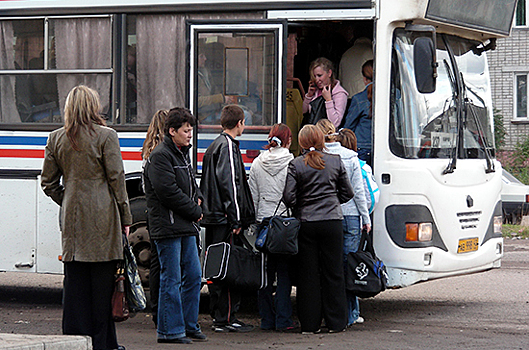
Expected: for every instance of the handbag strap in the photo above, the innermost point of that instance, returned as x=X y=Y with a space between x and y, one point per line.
x=287 y=210
x=243 y=240
x=366 y=242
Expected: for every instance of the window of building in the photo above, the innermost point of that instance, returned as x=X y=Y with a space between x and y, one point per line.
x=521 y=96
x=521 y=13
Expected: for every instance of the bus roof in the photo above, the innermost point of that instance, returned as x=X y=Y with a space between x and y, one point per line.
x=10 y=7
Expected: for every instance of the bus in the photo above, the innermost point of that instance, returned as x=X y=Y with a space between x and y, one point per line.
x=433 y=153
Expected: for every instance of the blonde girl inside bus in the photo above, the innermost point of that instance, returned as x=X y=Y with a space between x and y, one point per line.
x=326 y=98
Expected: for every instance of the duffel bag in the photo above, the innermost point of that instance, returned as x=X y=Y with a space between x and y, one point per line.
x=238 y=266
x=365 y=274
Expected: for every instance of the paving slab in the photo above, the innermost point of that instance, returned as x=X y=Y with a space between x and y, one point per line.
x=10 y=341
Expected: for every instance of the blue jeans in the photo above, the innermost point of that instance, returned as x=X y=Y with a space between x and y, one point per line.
x=276 y=313
x=351 y=242
x=180 y=279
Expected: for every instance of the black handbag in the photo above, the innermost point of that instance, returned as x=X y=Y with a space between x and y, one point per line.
x=238 y=266
x=366 y=274
x=278 y=234
x=318 y=111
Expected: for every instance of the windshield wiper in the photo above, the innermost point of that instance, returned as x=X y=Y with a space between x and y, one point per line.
x=457 y=95
x=481 y=134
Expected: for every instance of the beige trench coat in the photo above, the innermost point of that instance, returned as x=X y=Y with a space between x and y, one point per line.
x=92 y=194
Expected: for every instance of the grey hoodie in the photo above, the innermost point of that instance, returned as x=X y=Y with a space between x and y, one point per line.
x=267 y=180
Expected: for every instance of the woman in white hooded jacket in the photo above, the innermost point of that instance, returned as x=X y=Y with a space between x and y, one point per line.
x=355 y=212
x=267 y=181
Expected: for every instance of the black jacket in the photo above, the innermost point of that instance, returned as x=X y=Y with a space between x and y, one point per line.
x=228 y=199
x=316 y=195
x=171 y=192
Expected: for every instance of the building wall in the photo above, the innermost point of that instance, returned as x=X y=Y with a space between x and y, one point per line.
x=510 y=58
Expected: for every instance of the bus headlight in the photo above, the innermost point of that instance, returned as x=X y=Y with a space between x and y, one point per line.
x=419 y=232
x=425 y=232
x=498 y=224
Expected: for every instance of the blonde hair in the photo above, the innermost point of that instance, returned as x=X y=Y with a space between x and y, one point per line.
x=155 y=133
x=328 y=129
x=324 y=64
x=311 y=138
x=82 y=110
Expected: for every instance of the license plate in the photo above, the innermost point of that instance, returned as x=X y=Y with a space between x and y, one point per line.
x=467 y=245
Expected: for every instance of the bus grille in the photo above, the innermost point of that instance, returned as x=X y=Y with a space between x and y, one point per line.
x=469 y=219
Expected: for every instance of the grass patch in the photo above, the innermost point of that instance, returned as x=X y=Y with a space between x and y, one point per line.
x=510 y=231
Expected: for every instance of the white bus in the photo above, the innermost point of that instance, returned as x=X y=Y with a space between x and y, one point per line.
x=433 y=150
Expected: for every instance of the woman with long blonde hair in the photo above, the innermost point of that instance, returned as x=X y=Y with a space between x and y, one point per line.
x=316 y=185
x=355 y=211
x=154 y=137
x=83 y=173
x=155 y=133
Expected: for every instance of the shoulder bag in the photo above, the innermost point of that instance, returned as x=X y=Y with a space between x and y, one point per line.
x=318 y=111
x=281 y=233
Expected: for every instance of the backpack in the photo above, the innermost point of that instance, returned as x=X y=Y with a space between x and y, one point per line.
x=370 y=185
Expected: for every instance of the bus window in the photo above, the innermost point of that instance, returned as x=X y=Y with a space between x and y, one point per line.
x=236 y=68
x=38 y=70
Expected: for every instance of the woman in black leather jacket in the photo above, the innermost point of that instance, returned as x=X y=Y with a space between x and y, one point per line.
x=316 y=185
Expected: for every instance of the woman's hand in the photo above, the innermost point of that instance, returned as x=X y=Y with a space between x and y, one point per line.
x=326 y=93
x=367 y=227
x=126 y=229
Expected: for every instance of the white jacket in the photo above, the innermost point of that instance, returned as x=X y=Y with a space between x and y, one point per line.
x=267 y=181
x=358 y=205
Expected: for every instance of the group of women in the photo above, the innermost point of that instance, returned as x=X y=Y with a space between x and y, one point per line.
x=83 y=173
x=318 y=186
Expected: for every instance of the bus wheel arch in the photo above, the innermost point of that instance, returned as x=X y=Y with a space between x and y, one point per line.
x=139 y=237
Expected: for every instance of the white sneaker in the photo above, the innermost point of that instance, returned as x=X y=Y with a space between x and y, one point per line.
x=360 y=319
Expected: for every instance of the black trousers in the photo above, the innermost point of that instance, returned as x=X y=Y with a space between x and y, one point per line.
x=224 y=301
x=320 y=285
x=87 y=302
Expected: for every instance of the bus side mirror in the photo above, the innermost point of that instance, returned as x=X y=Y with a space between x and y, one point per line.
x=425 y=64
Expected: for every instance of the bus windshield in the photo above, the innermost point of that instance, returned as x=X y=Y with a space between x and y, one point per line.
x=426 y=125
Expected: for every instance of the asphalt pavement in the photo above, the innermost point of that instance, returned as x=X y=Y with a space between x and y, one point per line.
x=488 y=310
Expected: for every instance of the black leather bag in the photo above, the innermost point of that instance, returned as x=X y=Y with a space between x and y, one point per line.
x=317 y=111
x=282 y=236
x=365 y=274
x=238 y=266
x=278 y=234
